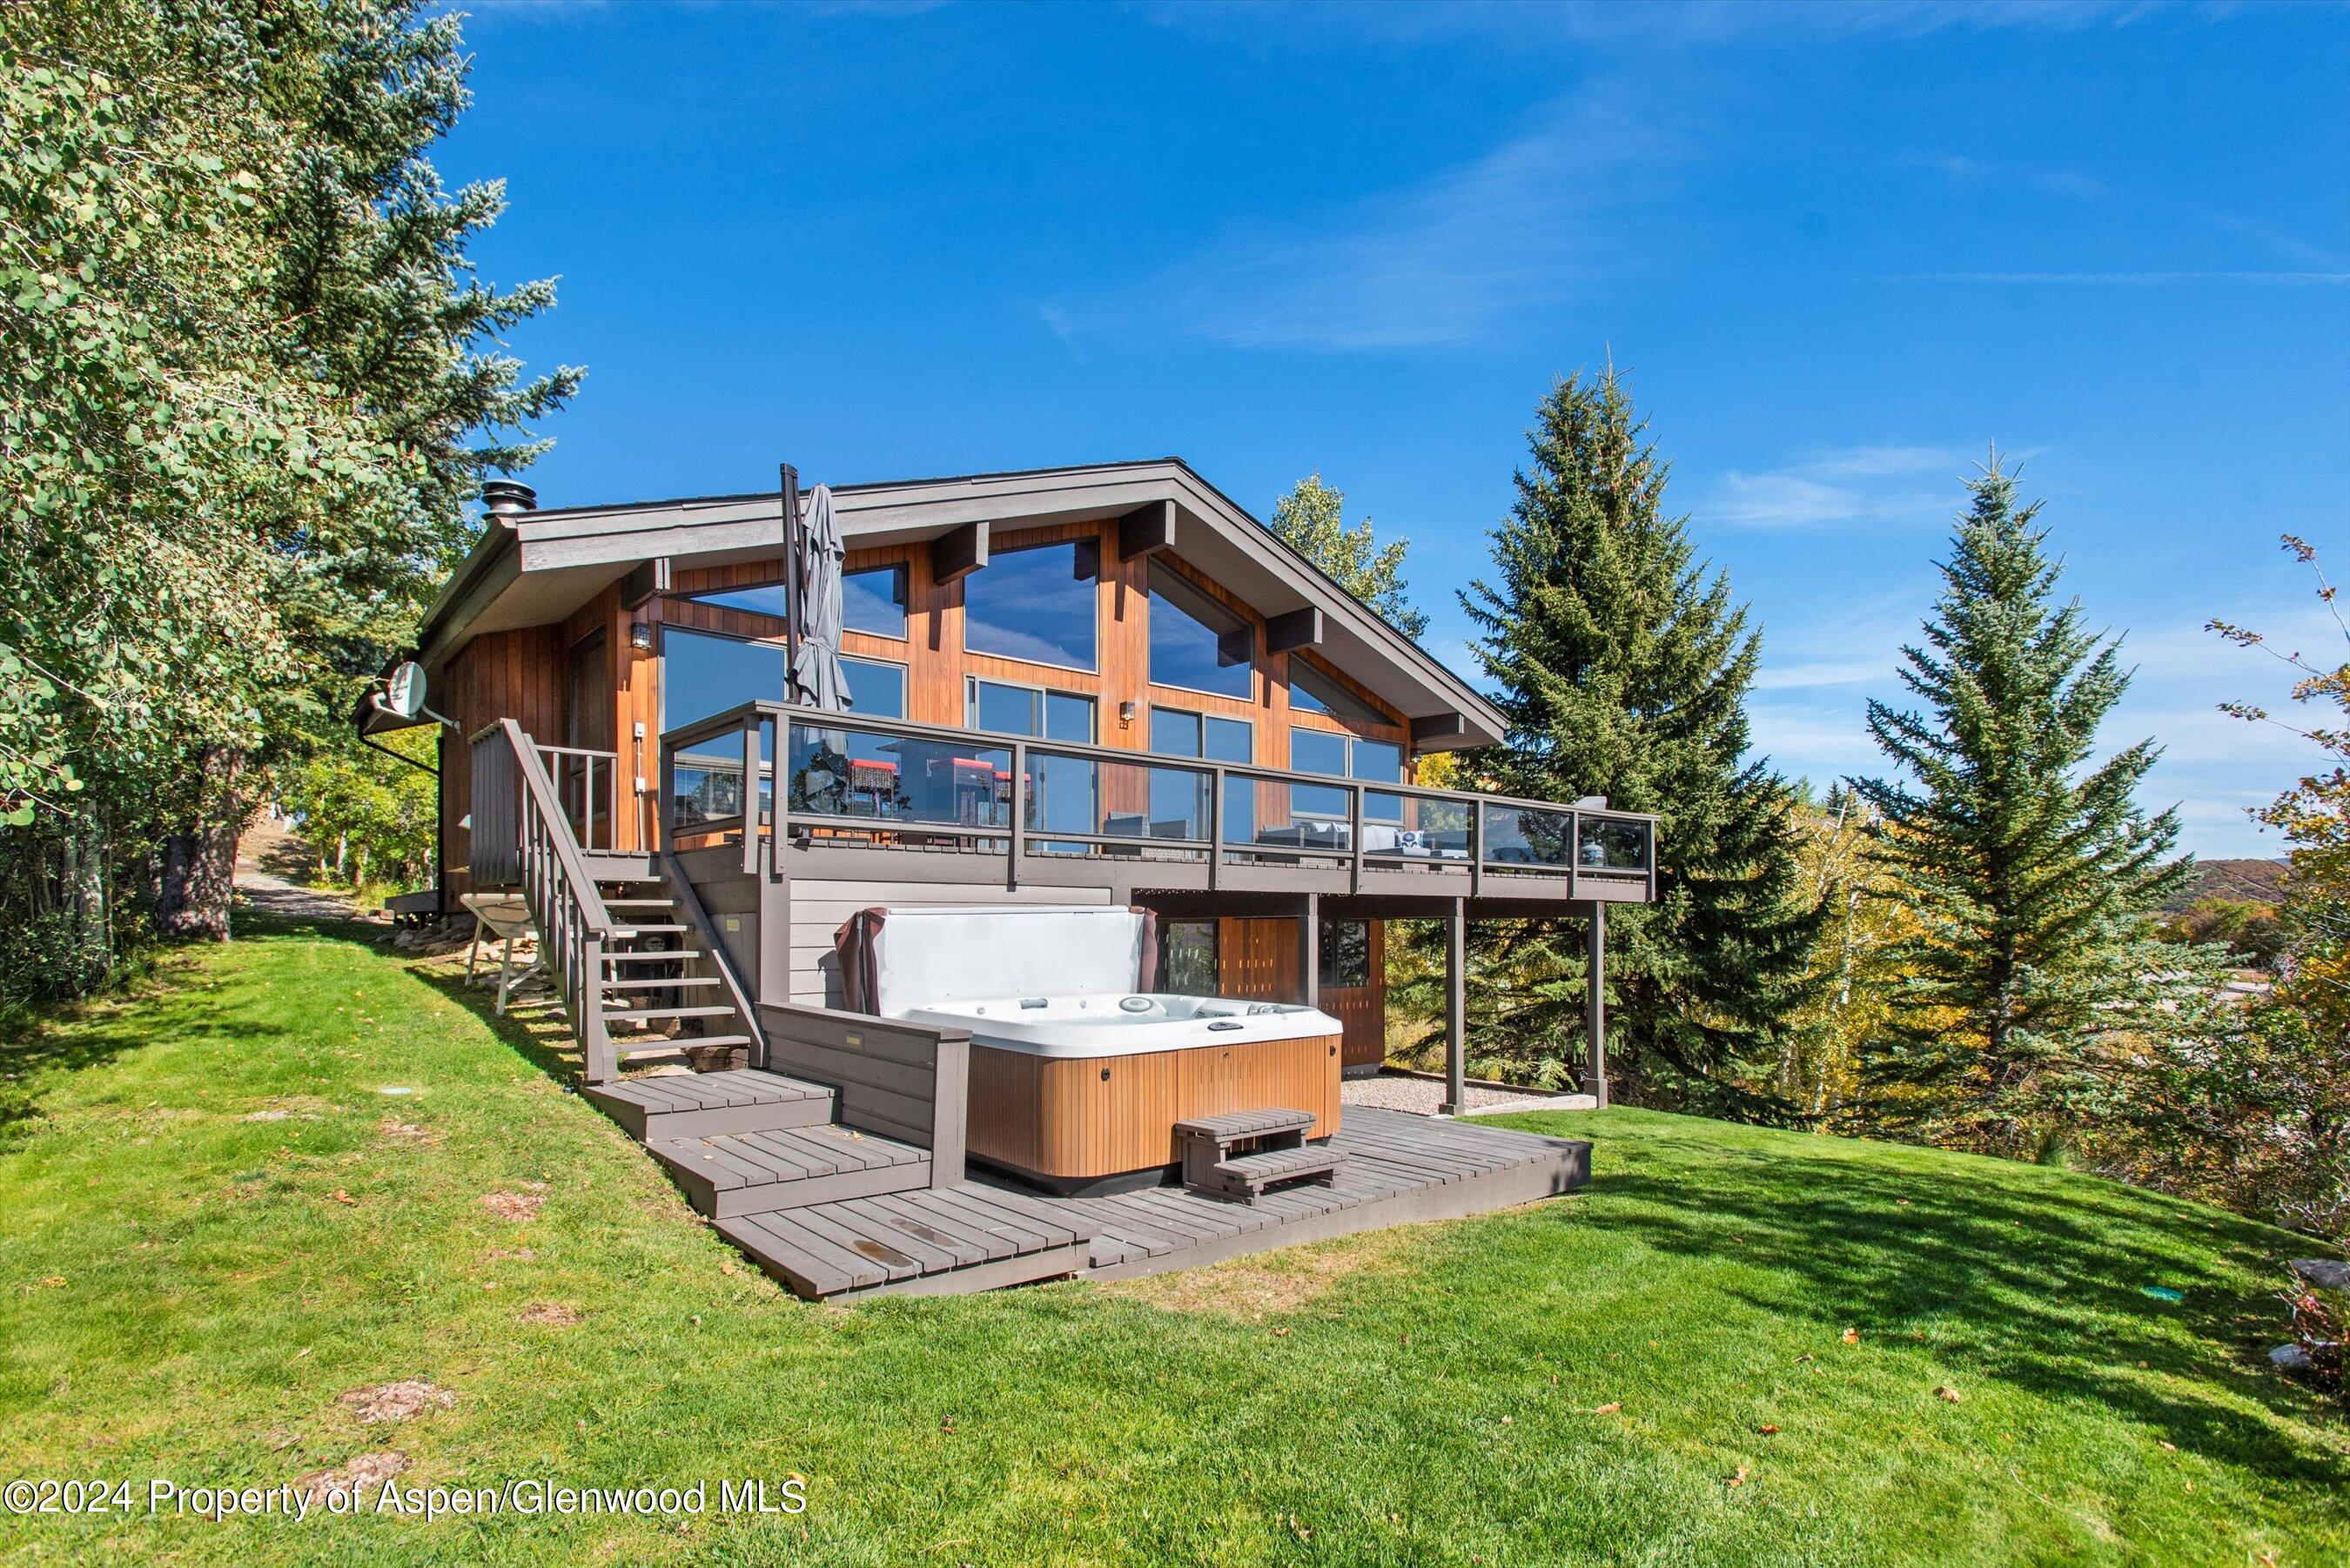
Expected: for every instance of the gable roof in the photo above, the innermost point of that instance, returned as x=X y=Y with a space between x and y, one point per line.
x=550 y=562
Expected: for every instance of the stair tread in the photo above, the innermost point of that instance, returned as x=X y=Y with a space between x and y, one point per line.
x=1277 y=1162
x=649 y=955
x=731 y=1162
x=665 y=1094
x=637 y=1014
x=693 y=982
x=634 y=929
x=1236 y=1125
x=640 y=903
x=867 y=1243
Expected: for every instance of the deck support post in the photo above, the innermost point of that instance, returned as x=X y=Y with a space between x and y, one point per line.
x=1456 y=1008
x=1309 y=951
x=1594 y=1007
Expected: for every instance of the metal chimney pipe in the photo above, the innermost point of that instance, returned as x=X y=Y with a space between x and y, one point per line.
x=509 y=499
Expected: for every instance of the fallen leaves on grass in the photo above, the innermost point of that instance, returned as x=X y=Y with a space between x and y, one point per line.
x=556 y=1314
x=271 y=1116
x=1609 y=1409
x=515 y=1206
x=1740 y=1478
x=392 y=1126
x=1768 y=1430
x=345 y=1199
x=400 y=1401
x=367 y=1469
x=1947 y=1394
x=1852 y=1336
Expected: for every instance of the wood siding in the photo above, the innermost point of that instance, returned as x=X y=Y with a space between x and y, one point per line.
x=1363 y=1009
x=1082 y=1118
x=515 y=675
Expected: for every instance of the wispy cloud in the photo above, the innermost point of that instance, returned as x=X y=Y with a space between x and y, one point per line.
x=1848 y=484
x=1447 y=262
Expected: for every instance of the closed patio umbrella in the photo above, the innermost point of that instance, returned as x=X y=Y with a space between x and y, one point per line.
x=817 y=680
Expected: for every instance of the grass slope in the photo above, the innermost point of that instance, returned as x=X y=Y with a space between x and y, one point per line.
x=185 y=1291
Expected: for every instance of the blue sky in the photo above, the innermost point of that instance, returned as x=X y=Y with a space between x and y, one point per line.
x=1838 y=252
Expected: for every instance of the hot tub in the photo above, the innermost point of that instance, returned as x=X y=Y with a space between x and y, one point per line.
x=1077 y=1087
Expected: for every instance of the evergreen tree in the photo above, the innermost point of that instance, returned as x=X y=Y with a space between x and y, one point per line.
x=1312 y=520
x=1623 y=666
x=2030 y=873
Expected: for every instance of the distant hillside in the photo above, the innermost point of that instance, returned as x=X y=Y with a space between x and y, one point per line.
x=2253 y=880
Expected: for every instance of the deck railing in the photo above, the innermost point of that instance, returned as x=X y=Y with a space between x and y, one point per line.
x=523 y=837
x=887 y=783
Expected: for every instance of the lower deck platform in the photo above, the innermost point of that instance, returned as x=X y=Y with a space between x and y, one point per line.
x=1399 y=1169
x=834 y=1213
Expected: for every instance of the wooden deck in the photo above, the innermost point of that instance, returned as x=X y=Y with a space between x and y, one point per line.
x=1399 y=1169
x=834 y=1213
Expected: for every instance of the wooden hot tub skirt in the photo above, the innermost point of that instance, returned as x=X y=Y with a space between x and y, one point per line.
x=1074 y=1120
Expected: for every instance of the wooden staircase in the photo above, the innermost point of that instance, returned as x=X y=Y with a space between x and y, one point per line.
x=777 y=1163
x=658 y=989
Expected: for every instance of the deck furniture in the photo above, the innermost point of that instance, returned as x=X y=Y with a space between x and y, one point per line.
x=503 y=919
x=1242 y=1154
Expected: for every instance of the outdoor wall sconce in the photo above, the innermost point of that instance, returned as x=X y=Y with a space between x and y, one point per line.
x=1126 y=712
x=640 y=635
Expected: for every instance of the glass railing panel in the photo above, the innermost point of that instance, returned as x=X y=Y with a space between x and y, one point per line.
x=706 y=781
x=1416 y=827
x=839 y=770
x=1273 y=816
x=1611 y=844
x=1528 y=835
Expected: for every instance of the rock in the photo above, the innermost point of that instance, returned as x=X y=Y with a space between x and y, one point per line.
x=2323 y=1272
x=2289 y=1358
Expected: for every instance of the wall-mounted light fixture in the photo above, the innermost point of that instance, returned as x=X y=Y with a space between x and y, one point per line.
x=1126 y=712
x=640 y=635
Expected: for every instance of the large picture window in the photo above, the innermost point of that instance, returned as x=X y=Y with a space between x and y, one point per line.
x=1179 y=801
x=769 y=599
x=1344 y=757
x=1038 y=604
x=877 y=689
x=1195 y=642
x=874 y=600
x=1312 y=691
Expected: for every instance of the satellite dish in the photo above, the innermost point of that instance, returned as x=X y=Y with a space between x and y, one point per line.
x=403 y=689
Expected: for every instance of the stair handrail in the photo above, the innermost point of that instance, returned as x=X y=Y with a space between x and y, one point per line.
x=573 y=925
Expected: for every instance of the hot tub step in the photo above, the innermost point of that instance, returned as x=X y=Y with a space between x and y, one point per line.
x=760 y=1172
x=1248 y=1175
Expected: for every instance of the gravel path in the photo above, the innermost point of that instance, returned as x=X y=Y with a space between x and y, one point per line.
x=274 y=894
x=1420 y=1097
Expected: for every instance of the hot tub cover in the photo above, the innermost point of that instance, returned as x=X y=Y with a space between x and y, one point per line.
x=894 y=959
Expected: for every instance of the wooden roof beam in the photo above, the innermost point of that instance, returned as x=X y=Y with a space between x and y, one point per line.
x=959 y=551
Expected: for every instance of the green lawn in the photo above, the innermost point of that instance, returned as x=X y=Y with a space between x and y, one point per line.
x=185 y=1291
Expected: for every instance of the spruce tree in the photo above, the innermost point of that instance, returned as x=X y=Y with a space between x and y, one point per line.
x=1623 y=665
x=2031 y=871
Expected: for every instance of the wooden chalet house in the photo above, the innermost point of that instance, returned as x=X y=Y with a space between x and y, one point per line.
x=1103 y=685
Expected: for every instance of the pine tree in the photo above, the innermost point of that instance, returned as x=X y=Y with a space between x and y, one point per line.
x=1312 y=520
x=2032 y=873
x=1623 y=666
